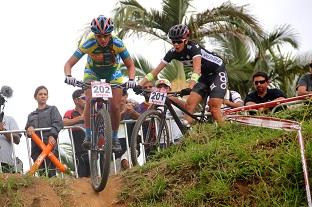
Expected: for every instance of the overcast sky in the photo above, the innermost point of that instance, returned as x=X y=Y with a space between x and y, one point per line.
x=37 y=37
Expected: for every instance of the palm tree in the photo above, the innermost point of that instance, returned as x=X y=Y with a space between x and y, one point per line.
x=238 y=58
x=282 y=67
x=132 y=18
x=243 y=60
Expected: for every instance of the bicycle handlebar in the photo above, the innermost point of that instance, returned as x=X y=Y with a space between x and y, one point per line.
x=84 y=85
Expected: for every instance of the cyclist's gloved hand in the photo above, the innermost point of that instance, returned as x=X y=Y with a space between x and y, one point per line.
x=70 y=80
x=137 y=89
x=131 y=84
x=185 y=92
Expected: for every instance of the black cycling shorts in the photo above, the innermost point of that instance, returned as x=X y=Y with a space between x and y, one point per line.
x=214 y=85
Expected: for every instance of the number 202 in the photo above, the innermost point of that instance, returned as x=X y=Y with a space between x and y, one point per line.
x=101 y=89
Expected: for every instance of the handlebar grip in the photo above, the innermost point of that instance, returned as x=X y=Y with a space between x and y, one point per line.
x=185 y=92
x=138 y=89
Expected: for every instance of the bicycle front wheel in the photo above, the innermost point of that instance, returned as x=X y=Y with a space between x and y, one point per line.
x=150 y=133
x=101 y=150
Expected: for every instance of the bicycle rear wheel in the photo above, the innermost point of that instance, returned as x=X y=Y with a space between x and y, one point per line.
x=101 y=150
x=144 y=137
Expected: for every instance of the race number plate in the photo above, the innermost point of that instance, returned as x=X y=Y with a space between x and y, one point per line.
x=101 y=89
x=158 y=96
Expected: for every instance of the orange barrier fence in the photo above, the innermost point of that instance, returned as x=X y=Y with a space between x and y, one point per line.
x=46 y=152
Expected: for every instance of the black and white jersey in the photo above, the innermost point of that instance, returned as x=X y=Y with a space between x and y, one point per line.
x=210 y=62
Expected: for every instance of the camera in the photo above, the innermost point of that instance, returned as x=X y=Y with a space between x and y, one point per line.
x=2 y=100
x=5 y=92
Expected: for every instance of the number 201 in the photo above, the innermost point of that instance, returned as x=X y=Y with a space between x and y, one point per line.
x=157 y=96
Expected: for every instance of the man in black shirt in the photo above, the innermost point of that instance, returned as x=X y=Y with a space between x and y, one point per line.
x=262 y=93
x=304 y=85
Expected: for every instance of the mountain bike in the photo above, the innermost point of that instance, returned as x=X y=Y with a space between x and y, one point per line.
x=151 y=129
x=101 y=139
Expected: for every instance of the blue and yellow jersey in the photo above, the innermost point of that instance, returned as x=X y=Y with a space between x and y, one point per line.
x=103 y=61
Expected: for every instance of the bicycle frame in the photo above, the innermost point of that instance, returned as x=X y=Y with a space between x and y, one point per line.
x=101 y=140
x=168 y=106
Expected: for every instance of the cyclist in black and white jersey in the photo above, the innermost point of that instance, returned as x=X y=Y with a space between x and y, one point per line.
x=209 y=73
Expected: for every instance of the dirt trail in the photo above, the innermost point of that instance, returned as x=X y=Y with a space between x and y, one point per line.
x=75 y=193
x=84 y=195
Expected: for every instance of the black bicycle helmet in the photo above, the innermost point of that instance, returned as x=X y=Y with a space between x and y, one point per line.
x=179 y=31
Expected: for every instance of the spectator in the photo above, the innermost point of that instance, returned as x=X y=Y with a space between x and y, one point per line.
x=44 y=116
x=232 y=99
x=304 y=85
x=176 y=132
x=262 y=93
x=6 y=145
x=131 y=111
x=75 y=117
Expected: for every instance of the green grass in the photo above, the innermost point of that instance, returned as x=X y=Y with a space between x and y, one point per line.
x=9 y=186
x=233 y=165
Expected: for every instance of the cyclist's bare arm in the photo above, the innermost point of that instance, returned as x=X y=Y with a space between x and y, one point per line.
x=196 y=69
x=154 y=72
x=69 y=64
x=130 y=66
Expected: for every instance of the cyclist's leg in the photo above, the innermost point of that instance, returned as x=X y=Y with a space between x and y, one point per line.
x=117 y=78
x=88 y=77
x=115 y=116
x=217 y=94
x=215 y=109
x=191 y=103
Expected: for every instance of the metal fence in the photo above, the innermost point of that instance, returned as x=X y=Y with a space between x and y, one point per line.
x=69 y=139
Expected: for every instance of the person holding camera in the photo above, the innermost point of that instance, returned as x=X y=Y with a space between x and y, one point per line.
x=6 y=143
x=7 y=123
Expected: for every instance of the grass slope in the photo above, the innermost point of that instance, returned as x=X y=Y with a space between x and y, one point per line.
x=233 y=165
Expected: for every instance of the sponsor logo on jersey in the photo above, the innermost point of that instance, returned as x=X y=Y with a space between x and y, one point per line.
x=211 y=57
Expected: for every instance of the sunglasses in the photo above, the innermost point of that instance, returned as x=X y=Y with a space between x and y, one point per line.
x=261 y=82
x=82 y=97
x=177 y=41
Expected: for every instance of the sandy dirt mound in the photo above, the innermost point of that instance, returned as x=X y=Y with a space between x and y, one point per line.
x=63 y=193
x=84 y=195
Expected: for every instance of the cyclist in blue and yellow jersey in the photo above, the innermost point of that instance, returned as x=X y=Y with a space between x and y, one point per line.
x=209 y=74
x=104 y=52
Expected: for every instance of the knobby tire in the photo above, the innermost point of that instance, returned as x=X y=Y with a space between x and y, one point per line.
x=101 y=150
x=150 y=143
